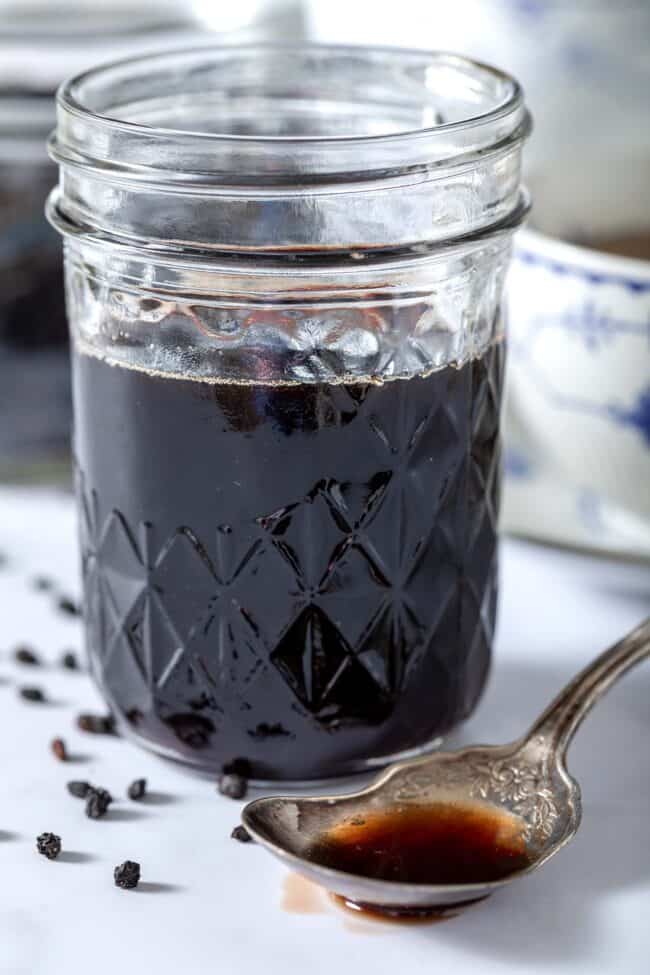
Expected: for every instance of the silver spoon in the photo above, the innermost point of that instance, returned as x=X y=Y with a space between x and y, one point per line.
x=527 y=778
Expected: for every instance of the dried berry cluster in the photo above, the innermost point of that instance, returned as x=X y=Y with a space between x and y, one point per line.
x=137 y=789
x=127 y=875
x=233 y=782
x=96 y=724
x=49 y=845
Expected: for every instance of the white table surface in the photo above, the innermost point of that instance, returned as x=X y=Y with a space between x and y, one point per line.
x=209 y=904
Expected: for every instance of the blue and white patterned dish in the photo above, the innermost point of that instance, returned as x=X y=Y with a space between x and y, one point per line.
x=578 y=403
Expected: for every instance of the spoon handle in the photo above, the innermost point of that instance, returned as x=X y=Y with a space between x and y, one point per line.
x=559 y=722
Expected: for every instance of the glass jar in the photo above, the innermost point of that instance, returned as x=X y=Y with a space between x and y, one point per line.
x=284 y=274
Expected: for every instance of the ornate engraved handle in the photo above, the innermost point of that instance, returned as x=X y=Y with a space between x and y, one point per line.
x=555 y=728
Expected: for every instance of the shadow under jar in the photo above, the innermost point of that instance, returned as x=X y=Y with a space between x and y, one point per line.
x=284 y=273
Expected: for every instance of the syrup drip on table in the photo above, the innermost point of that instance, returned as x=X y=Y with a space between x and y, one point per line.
x=403 y=915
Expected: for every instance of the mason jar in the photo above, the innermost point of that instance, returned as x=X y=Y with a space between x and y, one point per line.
x=284 y=271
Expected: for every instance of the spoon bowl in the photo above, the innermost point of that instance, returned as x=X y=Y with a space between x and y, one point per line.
x=527 y=780
x=516 y=778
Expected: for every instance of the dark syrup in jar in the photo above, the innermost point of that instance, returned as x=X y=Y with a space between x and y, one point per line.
x=302 y=576
x=436 y=843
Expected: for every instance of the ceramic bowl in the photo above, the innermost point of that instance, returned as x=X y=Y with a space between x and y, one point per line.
x=577 y=421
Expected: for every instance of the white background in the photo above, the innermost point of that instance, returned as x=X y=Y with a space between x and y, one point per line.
x=208 y=904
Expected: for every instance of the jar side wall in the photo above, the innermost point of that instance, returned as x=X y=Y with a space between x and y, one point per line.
x=231 y=325
x=401 y=210
x=301 y=577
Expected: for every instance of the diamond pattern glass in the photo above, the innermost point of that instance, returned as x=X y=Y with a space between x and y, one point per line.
x=306 y=594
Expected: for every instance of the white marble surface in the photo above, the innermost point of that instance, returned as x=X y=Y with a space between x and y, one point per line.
x=208 y=904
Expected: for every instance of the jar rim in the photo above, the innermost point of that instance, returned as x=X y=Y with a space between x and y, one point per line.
x=93 y=133
x=289 y=149
x=67 y=95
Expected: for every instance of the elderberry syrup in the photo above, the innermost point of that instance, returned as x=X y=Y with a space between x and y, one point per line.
x=289 y=573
